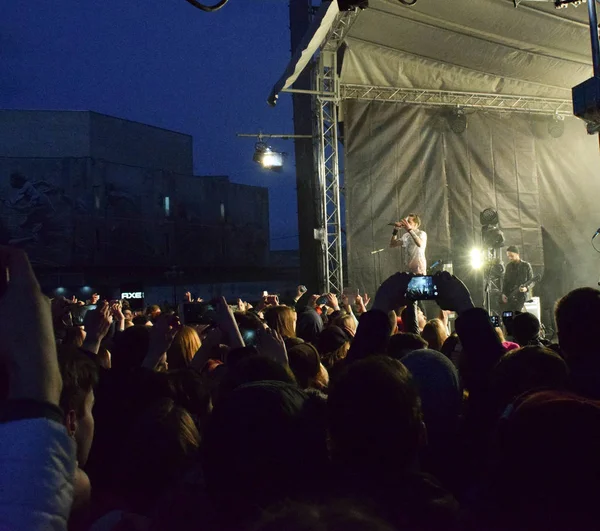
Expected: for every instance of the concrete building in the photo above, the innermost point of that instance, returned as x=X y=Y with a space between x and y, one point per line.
x=101 y=201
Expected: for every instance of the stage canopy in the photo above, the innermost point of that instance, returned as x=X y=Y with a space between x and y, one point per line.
x=407 y=73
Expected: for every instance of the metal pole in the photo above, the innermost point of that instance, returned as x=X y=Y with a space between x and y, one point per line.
x=594 y=36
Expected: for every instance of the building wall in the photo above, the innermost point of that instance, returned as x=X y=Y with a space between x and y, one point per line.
x=78 y=134
x=88 y=212
x=96 y=198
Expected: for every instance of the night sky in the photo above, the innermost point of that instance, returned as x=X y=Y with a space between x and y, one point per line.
x=164 y=63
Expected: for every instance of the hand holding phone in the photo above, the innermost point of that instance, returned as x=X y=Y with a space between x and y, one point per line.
x=421 y=288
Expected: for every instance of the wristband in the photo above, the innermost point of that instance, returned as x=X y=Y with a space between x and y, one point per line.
x=395 y=232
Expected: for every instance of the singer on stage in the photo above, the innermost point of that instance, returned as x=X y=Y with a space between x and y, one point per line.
x=413 y=243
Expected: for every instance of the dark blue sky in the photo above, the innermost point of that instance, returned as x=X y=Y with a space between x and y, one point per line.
x=164 y=63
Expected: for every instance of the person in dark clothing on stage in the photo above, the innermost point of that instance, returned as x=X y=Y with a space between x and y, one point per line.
x=517 y=281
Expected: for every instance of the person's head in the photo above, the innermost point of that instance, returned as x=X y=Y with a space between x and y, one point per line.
x=184 y=348
x=153 y=311
x=282 y=319
x=80 y=376
x=331 y=339
x=305 y=363
x=374 y=418
x=265 y=442
x=577 y=316
x=94 y=298
x=526 y=369
x=142 y=320
x=512 y=253
x=526 y=329
x=130 y=348
x=403 y=343
x=254 y=368
x=435 y=333
x=348 y=324
x=438 y=384
x=74 y=336
x=157 y=449
x=128 y=314
x=547 y=464
x=414 y=221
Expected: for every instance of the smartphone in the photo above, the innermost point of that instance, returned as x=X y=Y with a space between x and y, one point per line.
x=198 y=313
x=322 y=300
x=302 y=289
x=495 y=320
x=421 y=288
x=272 y=300
x=351 y=293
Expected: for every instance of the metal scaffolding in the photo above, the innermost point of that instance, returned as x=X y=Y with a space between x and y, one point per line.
x=328 y=170
x=476 y=100
x=326 y=99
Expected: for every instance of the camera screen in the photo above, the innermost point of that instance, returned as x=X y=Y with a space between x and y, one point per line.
x=495 y=320
x=421 y=288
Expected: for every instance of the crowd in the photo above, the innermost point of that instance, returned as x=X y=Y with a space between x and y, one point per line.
x=320 y=414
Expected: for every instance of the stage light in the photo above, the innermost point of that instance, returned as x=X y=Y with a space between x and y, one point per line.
x=489 y=217
x=492 y=237
x=267 y=157
x=86 y=289
x=458 y=121
x=476 y=258
x=556 y=127
x=60 y=291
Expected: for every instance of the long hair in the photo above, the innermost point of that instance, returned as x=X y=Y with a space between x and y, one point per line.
x=184 y=348
x=281 y=319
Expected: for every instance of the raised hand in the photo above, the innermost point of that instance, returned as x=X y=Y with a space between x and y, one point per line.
x=332 y=301
x=187 y=297
x=27 y=344
x=453 y=294
x=162 y=335
x=271 y=344
x=391 y=295
x=212 y=340
x=97 y=326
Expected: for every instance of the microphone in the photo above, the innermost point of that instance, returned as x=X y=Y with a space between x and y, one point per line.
x=596 y=233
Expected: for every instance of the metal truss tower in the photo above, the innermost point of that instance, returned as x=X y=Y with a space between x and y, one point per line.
x=326 y=101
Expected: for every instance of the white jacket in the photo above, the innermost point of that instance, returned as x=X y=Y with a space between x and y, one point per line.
x=37 y=466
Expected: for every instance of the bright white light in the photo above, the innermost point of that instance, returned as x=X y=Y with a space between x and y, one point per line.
x=271 y=159
x=60 y=291
x=476 y=258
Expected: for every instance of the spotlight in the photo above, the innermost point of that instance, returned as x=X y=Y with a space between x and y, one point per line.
x=458 y=121
x=86 y=289
x=60 y=291
x=556 y=127
x=476 y=258
x=492 y=237
x=489 y=217
x=267 y=157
